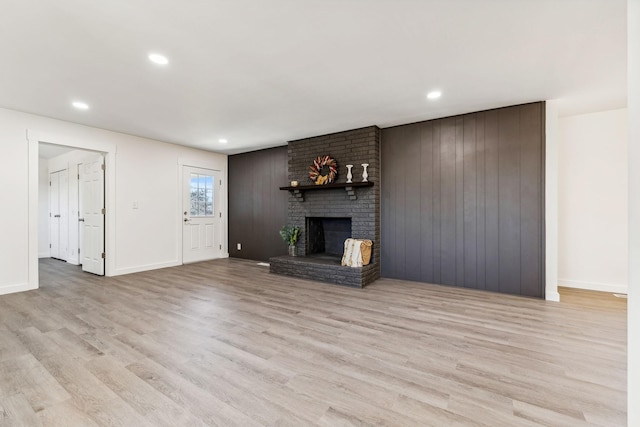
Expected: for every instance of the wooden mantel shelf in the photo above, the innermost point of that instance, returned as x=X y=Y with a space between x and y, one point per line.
x=299 y=191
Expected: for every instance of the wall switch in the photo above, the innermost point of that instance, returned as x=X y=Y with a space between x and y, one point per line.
x=239 y=246
x=135 y=205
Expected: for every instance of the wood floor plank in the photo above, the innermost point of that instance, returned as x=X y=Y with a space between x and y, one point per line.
x=225 y=343
x=154 y=407
x=27 y=376
x=189 y=396
x=10 y=345
x=15 y=411
x=65 y=414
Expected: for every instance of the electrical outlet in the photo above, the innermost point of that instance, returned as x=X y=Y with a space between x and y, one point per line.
x=239 y=246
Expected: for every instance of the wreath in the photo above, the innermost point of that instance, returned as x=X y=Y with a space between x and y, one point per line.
x=320 y=164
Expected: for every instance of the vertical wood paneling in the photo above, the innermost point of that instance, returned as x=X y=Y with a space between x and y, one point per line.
x=509 y=199
x=400 y=230
x=427 y=235
x=390 y=162
x=531 y=212
x=492 y=218
x=257 y=207
x=463 y=200
x=459 y=189
x=412 y=205
x=470 y=200
x=436 y=187
x=448 y=201
x=481 y=279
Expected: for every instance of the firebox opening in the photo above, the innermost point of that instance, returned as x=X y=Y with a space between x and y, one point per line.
x=327 y=235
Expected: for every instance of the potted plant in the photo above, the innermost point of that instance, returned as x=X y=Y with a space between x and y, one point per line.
x=290 y=234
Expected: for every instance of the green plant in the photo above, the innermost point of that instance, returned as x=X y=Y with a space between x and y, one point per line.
x=290 y=234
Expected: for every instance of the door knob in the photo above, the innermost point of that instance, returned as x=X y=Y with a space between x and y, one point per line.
x=56 y=216
x=80 y=219
x=187 y=220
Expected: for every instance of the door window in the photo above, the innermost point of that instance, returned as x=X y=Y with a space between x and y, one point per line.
x=201 y=195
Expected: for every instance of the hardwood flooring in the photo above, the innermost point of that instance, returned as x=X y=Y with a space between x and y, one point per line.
x=226 y=343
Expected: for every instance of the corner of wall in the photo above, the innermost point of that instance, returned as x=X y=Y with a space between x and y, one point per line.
x=551 y=201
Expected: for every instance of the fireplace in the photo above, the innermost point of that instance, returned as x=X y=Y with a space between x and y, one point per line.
x=327 y=215
x=326 y=236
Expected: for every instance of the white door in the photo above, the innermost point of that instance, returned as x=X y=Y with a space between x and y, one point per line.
x=58 y=214
x=54 y=216
x=202 y=215
x=92 y=214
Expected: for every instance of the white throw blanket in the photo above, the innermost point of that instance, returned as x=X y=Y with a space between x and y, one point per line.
x=353 y=252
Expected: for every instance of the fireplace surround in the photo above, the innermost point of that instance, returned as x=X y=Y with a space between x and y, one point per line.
x=334 y=205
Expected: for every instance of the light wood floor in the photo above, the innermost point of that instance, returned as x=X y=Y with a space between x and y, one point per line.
x=226 y=343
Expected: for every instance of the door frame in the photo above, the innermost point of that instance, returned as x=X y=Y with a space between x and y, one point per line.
x=196 y=163
x=217 y=204
x=34 y=137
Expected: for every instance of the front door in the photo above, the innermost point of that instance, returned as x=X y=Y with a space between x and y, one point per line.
x=201 y=215
x=92 y=214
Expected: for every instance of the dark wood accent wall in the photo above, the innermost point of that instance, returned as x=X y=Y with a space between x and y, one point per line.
x=463 y=201
x=257 y=207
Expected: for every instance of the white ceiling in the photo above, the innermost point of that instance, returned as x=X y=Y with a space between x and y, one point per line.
x=260 y=73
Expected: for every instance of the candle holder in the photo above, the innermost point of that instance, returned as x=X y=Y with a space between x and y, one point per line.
x=365 y=175
x=349 y=175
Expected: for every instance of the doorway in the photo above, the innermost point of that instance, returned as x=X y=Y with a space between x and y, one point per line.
x=65 y=142
x=75 y=206
x=201 y=214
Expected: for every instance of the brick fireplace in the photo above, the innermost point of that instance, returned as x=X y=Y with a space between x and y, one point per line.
x=327 y=210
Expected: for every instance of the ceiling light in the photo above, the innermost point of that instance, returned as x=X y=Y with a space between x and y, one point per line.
x=434 y=95
x=80 y=105
x=222 y=141
x=156 y=58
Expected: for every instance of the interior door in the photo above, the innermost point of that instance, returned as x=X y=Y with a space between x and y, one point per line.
x=59 y=214
x=54 y=216
x=201 y=215
x=92 y=214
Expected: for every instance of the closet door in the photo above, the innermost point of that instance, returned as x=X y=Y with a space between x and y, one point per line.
x=59 y=214
x=54 y=215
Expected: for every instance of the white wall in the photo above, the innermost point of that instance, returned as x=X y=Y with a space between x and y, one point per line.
x=592 y=201
x=146 y=171
x=43 y=209
x=633 y=102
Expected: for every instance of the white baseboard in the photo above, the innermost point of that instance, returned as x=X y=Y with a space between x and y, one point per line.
x=146 y=267
x=21 y=287
x=552 y=296
x=44 y=255
x=592 y=286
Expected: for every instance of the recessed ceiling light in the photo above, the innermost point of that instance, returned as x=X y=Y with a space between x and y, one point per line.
x=222 y=141
x=434 y=95
x=156 y=58
x=80 y=105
